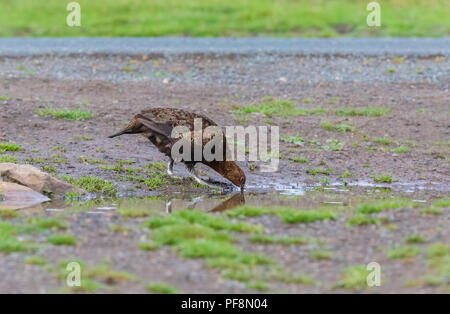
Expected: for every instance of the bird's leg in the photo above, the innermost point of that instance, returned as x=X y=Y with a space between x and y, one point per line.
x=170 y=169
x=169 y=207
x=194 y=202
x=193 y=173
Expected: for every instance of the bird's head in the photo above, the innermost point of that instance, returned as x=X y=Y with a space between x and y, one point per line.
x=237 y=177
x=229 y=170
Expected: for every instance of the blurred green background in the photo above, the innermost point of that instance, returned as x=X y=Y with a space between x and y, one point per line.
x=236 y=18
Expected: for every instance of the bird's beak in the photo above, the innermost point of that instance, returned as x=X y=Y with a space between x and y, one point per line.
x=242 y=188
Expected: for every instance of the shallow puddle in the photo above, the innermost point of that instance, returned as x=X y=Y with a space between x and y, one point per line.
x=299 y=196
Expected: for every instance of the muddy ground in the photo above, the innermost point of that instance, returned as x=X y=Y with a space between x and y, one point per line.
x=116 y=87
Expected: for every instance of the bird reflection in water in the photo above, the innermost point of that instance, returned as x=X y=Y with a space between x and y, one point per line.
x=236 y=200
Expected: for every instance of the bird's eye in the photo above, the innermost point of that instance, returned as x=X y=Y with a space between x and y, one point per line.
x=242 y=179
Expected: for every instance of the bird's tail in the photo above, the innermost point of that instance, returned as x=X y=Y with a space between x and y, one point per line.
x=132 y=128
x=118 y=134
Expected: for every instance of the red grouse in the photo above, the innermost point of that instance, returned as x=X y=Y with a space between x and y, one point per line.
x=157 y=124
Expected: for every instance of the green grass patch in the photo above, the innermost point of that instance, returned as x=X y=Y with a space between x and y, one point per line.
x=332 y=18
x=340 y=127
x=8 y=158
x=208 y=248
x=153 y=176
x=97 y=185
x=62 y=239
x=294 y=279
x=8 y=239
x=363 y=220
x=321 y=254
x=354 y=278
x=292 y=139
x=178 y=233
x=443 y=202
x=278 y=108
x=332 y=144
x=156 y=181
x=377 y=206
x=390 y=70
x=346 y=175
x=146 y=246
x=66 y=114
x=401 y=149
x=300 y=160
x=73 y=196
x=104 y=273
x=431 y=211
x=35 y=260
x=320 y=170
x=403 y=252
x=382 y=178
x=162 y=288
x=136 y=213
x=382 y=140
x=96 y=277
x=438 y=255
x=304 y=216
x=49 y=169
x=37 y=224
x=203 y=219
x=119 y=229
x=195 y=234
x=37 y=160
x=87 y=286
x=288 y=215
x=333 y=100
x=438 y=250
x=364 y=111
x=84 y=138
x=415 y=239
x=257 y=285
x=7 y=213
x=436 y=206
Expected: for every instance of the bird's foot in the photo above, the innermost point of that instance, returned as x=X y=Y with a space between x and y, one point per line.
x=203 y=182
x=174 y=176
x=207 y=182
x=170 y=171
x=215 y=184
x=224 y=186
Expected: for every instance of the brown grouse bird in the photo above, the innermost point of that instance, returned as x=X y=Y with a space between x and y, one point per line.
x=157 y=124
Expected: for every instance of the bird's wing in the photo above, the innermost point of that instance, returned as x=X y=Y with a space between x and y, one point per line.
x=163 y=129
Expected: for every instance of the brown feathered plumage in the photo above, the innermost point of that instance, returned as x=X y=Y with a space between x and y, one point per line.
x=157 y=124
